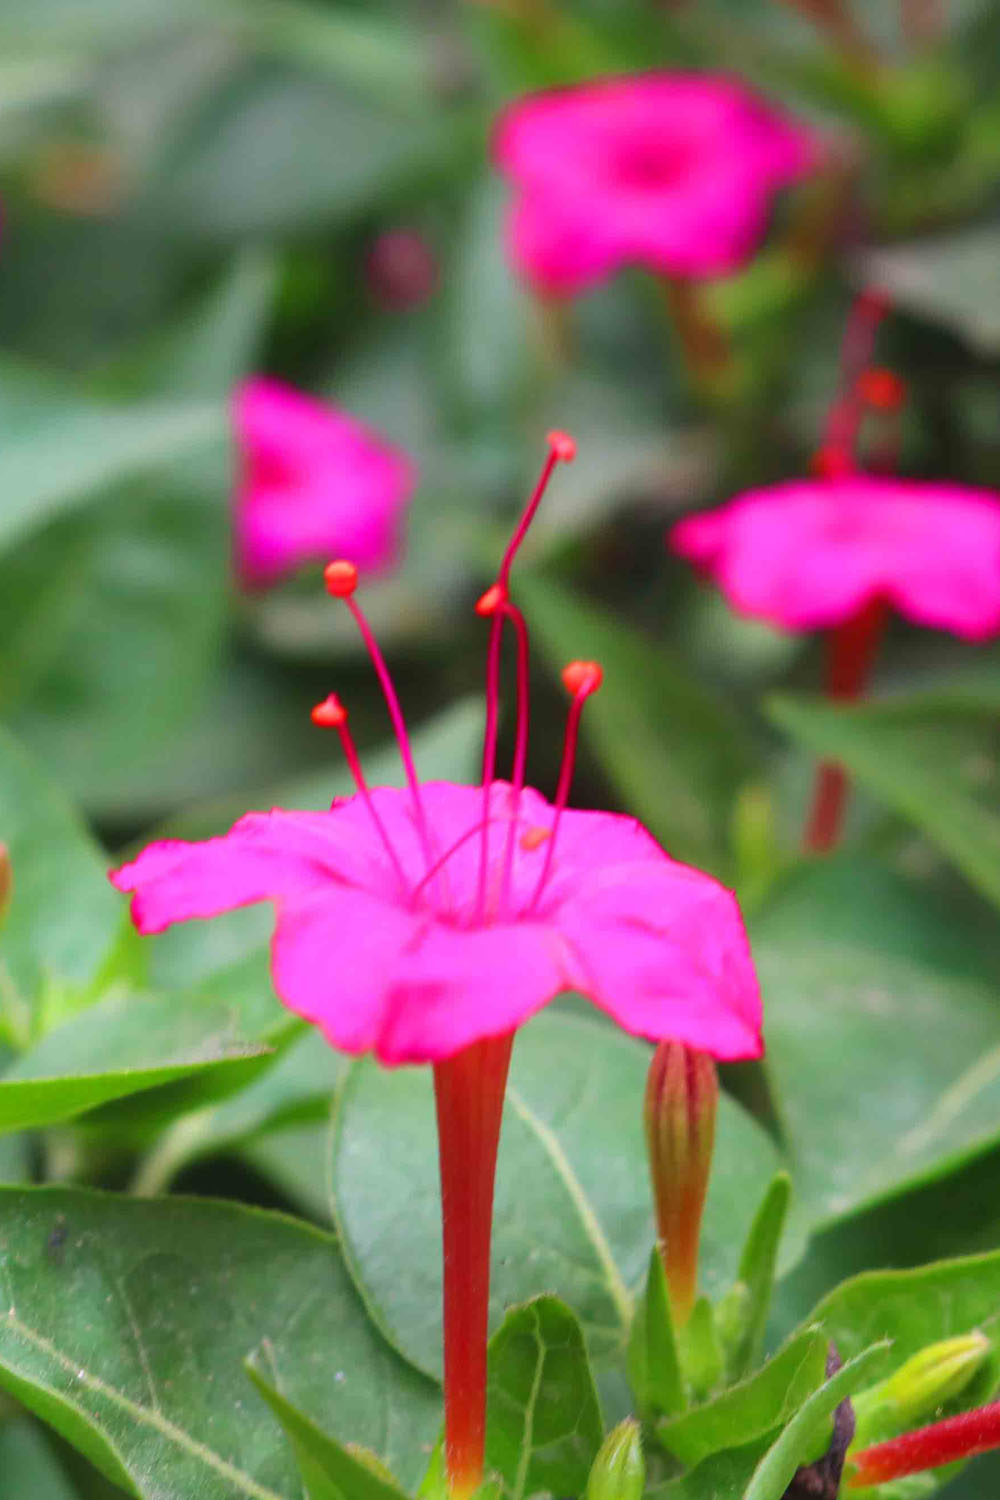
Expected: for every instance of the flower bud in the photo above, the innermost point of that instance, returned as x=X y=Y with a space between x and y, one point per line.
x=619 y=1470
x=919 y=1387
x=682 y=1094
x=6 y=881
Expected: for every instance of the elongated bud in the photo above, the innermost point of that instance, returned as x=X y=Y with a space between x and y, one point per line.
x=6 y=881
x=919 y=1387
x=682 y=1094
x=619 y=1470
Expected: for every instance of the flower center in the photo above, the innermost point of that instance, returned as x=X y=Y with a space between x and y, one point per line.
x=649 y=166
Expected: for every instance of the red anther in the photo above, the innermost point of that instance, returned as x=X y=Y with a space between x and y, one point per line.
x=582 y=677
x=882 y=389
x=533 y=838
x=488 y=604
x=830 y=462
x=563 y=446
x=330 y=714
x=341 y=578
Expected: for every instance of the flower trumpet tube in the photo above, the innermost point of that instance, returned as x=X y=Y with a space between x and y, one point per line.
x=426 y=923
x=682 y=1096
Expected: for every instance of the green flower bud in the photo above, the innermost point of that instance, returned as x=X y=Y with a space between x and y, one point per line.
x=619 y=1470
x=925 y=1382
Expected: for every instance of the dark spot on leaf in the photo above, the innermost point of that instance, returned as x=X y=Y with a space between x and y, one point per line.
x=55 y=1245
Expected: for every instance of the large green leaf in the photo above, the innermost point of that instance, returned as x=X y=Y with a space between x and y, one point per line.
x=127 y=1323
x=125 y=1045
x=932 y=759
x=573 y=1207
x=883 y=1034
x=674 y=754
x=543 y=1423
x=64 y=916
x=58 y=450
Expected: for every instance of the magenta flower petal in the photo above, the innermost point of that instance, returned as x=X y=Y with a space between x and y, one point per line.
x=672 y=171
x=416 y=972
x=334 y=958
x=810 y=554
x=313 y=482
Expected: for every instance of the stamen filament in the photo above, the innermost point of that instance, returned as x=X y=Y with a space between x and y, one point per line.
x=844 y=420
x=520 y=765
x=582 y=679
x=331 y=714
x=341 y=581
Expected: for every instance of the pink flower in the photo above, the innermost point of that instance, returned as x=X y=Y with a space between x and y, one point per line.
x=813 y=553
x=671 y=171
x=414 y=922
x=312 y=481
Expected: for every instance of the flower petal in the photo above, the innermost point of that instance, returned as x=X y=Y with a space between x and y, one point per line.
x=665 y=952
x=459 y=986
x=335 y=957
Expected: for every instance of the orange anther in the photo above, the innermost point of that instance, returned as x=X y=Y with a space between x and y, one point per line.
x=562 y=446
x=582 y=677
x=881 y=389
x=533 y=838
x=830 y=463
x=488 y=603
x=341 y=578
x=330 y=714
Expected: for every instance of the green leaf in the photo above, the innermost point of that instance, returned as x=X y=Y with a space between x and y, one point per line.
x=752 y=1409
x=58 y=450
x=28 y=1467
x=917 y=1308
x=673 y=753
x=573 y=1206
x=653 y=1361
x=931 y=759
x=883 y=1034
x=127 y=1323
x=64 y=916
x=543 y=1425
x=756 y=1275
x=700 y=1354
x=330 y=1470
x=949 y=279
x=776 y=1469
x=121 y=1046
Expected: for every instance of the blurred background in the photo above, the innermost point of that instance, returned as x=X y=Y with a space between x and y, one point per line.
x=194 y=190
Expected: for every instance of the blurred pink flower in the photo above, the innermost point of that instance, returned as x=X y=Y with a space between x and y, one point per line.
x=671 y=171
x=311 y=480
x=401 y=269
x=813 y=553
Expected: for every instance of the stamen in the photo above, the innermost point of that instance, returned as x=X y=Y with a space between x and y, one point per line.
x=331 y=714
x=493 y=605
x=581 y=678
x=844 y=420
x=341 y=579
x=516 y=618
x=534 y=838
x=881 y=389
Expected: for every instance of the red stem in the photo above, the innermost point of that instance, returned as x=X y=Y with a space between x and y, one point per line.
x=944 y=1442
x=469 y=1090
x=852 y=648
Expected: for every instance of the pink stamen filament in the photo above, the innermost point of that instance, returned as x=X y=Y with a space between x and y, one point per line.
x=354 y=766
x=561 y=449
x=398 y=723
x=587 y=686
x=439 y=864
x=519 y=768
x=847 y=411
